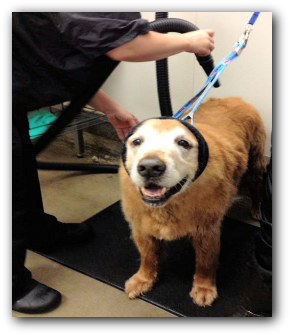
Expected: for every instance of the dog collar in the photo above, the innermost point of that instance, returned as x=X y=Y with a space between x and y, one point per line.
x=203 y=152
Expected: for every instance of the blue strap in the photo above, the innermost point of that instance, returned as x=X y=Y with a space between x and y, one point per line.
x=254 y=18
x=215 y=74
x=212 y=78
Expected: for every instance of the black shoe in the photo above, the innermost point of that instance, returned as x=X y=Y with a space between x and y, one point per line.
x=40 y=299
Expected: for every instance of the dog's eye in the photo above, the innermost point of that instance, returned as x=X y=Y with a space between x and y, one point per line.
x=184 y=144
x=137 y=142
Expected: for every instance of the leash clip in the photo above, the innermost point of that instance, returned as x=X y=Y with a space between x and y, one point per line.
x=243 y=40
x=248 y=28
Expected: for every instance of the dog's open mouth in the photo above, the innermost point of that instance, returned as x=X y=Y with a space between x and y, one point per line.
x=156 y=195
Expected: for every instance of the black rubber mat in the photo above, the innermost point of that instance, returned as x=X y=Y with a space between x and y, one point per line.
x=112 y=258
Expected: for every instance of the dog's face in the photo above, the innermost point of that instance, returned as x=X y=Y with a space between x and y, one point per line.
x=161 y=158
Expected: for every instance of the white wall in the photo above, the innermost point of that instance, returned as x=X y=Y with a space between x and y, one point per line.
x=133 y=85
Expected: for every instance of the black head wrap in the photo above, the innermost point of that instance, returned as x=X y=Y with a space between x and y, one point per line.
x=203 y=152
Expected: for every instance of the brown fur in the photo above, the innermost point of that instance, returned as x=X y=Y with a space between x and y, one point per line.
x=235 y=136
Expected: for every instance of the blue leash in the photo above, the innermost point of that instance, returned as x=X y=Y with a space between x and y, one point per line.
x=217 y=71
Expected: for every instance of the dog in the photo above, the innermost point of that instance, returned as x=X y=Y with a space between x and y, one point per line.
x=178 y=180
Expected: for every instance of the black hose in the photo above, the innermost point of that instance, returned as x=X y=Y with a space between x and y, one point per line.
x=182 y=26
x=164 y=25
x=161 y=15
x=172 y=25
x=162 y=76
x=94 y=168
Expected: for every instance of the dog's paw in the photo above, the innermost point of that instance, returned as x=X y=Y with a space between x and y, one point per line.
x=137 y=285
x=203 y=296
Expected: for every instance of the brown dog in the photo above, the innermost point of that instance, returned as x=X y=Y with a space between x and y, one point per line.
x=160 y=201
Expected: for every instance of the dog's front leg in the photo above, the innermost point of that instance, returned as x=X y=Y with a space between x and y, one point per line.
x=206 y=242
x=143 y=280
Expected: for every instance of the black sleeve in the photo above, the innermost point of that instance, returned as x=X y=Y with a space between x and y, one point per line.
x=97 y=33
x=53 y=53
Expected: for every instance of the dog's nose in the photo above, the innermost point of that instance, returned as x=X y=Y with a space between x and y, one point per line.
x=151 y=167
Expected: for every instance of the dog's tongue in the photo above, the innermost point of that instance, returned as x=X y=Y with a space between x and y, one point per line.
x=153 y=192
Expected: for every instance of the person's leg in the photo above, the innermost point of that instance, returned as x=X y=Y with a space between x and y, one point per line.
x=31 y=227
x=28 y=296
x=43 y=231
x=27 y=200
x=20 y=275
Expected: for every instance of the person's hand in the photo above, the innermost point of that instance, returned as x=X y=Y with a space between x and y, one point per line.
x=122 y=121
x=200 y=42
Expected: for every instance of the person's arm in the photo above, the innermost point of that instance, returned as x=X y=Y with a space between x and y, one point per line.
x=153 y=46
x=120 y=118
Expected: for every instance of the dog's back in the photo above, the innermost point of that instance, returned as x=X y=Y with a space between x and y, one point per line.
x=234 y=119
x=235 y=134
